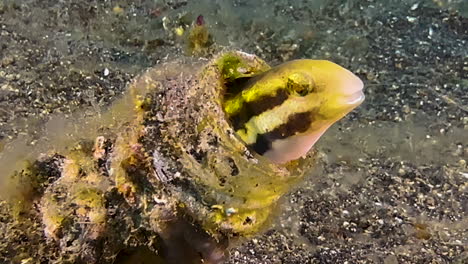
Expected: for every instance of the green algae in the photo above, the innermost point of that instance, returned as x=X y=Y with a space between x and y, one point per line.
x=28 y=184
x=232 y=67
x=90 y=197
x=198 y=40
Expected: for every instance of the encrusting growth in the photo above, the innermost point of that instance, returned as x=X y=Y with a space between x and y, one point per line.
x=182 y=168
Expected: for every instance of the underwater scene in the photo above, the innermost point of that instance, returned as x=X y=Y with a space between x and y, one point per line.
x=238 y=132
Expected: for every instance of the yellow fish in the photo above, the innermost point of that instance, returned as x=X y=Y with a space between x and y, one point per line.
x=282 y=112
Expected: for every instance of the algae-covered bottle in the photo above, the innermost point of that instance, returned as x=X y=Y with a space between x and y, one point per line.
x=180 y=163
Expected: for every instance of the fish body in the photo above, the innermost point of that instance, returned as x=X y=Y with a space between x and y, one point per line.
x=282 y=112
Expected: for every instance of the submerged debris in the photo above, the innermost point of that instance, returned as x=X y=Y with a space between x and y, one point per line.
x=198 y=39
x=170 y=175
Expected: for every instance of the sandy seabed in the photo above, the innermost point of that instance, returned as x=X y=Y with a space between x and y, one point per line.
x=392 y=187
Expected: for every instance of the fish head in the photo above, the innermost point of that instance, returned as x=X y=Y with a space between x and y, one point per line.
x=282 y=112
x=320 y=93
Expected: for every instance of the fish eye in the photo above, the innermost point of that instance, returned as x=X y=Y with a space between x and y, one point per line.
x=302 y=90
x=298 y=89
x=299 y=85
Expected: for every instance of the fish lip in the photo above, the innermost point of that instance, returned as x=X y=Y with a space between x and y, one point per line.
x=355 y=98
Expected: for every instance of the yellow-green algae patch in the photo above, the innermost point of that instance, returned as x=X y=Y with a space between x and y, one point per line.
x=19 y=177
x=232 y=67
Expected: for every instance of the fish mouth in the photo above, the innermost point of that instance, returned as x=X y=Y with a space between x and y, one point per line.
x=352 y=90
x=355 y=98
